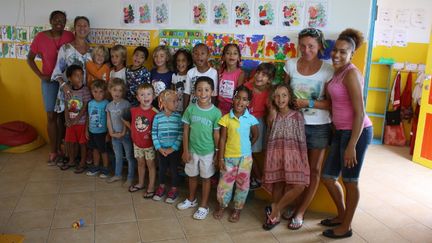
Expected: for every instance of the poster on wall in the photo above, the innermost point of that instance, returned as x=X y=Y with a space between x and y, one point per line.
x=8 y=32
x=216 y=41
x=400 y=38
x=22 y=50
x=385 y=17
x=199 y=12
x=22 y=34
x=176 y=39
x=241 y=11
x=34 y=30
x=145 y=11
x=162 y=12
x=418 y=18
x=129 y=12
x=317 y=14
x=279 y=47
x=291 y=14
x=383 y=37
x=121 y=37
x=1 y=50
x=220 y=13
x=402 y=18
x=250 y=45
x=265 y=12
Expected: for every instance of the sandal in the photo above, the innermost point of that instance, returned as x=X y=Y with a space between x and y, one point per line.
x=135 y=188
x=295 y=223
x=268 y=210
x=288 y=214
x=201 y=213
x=80 y=169
x=218 y=213
x=148 y=195
x=67 y=166
x=235 y=216
x=270 y=223
x=329 y=223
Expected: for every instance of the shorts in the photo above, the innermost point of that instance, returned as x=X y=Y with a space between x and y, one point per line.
x=201 y=165
x=258 y=145
x=147 y=153
x=49 y=94
x=97 y=141
x=318 y=136
x=76 y=134
x=334 y=164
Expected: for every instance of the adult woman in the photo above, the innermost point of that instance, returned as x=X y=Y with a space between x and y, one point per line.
x=352 y=137
x=77 y=52
x=46 y=44
x=307 y=77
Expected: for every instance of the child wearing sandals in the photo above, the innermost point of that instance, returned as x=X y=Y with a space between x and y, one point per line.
x=139 y=121
x=167 y=135
x=239 y=130
x=286 y=167
x=200 y=140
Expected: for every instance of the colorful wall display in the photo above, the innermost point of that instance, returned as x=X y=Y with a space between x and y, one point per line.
x=242 y=12
x=220 y=13
x=176 y=39
x=200 y=12
x=122 y=37
x=265 y=12
x=317 y=14
x=216 y=42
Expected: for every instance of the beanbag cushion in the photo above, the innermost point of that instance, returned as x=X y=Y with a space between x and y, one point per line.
x=16 y=133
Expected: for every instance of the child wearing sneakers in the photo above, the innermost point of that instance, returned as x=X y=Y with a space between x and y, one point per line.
x=96 y=132
x=167 y=135
x=200 y=139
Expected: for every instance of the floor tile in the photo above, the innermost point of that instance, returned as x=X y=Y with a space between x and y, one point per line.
x=193 y=227
x=63 y=218
x=76 y=200
x=109 y=198
x=11 y=189
x=30 y=220
x=86 y=185
x=41 y=188
x=33 y=203
x=83 y=234
x=115 y=214
x=252 y=236
x=210 y=238
x=247 y=221
x=153 y=210
x=122 y=232
x=36 y=236
x=9 y=202
x=156 y=229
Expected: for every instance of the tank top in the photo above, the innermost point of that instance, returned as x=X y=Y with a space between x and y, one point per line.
x=342 y=109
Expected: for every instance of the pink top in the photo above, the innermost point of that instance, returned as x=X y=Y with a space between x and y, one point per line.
x=342 y=109
x=228 y=82
x=47 y=48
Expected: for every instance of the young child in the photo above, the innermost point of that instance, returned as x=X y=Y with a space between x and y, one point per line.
x=120 y=135
x=286 y=167
x=230 y=76
x=136 y=74
x=260 y=87
x=200 y=55
x=161 y=75
x=140 y=125
x=118 y=60
x=75 y=116
x=98 y=68
x=182 y=64
x=96 y=132
x=167 y=135
x=200 y=140
x=239 y=130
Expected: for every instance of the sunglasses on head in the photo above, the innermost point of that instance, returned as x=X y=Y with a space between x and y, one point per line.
x=310 y=32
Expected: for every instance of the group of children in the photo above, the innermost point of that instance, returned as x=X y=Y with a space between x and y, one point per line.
x=211 y=120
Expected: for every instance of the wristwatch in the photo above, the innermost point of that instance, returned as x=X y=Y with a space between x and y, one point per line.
x=311 y=103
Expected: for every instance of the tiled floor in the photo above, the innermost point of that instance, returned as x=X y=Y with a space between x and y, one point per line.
x=41 y=202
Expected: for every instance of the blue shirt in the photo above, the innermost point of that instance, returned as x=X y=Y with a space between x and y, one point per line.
x=167 y=131
x=97 y=116
x=160 y=81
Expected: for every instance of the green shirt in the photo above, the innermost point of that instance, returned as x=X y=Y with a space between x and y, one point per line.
x=201 y=123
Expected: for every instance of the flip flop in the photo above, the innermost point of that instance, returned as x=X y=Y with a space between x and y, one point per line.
x=148 y=195
x=80 y=169
x=135 y=188
x=270 y=223
x=67 y=166
x=218 y=213
x=235 y=216
x=330 y=234
x=295 y=224
x=288 y=214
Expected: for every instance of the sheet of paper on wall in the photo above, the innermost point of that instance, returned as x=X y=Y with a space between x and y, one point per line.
x=279 y=47
x=242 y=13
x=216 y=41
x=400 y=38
x=398 y=65
x=176 y=39
x=199 y=12
x=8 y=32
x=34 y=30
x=1 y=50
x=384 y=37
x=402 y=18
x=316 y=15
x=22 y=34
x=292 y=14
x=386 y=17
x=265 y=12
x=421 y=67
x=162 y=12
x=219 y=13
x=145 y=10
x=22 y=51
x=418 y=18
x=250 y=45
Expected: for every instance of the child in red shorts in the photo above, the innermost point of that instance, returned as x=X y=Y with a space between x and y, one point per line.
x=76 y=116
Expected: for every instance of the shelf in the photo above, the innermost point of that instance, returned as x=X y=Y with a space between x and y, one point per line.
x=379 y=63
x=375 y=114
x=378 y=89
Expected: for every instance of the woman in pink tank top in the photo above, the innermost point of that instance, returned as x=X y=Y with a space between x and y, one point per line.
x=352 y=136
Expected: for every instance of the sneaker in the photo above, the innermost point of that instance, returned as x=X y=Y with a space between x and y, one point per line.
x=104 y=173
x=160 y=192
x=201 y=213
x=93 y=171
x=187 y=204
x=172 y=195
x=254 y=184
x=114 y=179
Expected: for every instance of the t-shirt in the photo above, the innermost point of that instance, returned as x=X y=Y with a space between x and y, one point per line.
x=141 y=125
x=167 y=131
x=178 y=83
x=117 y=110
x=310 y=87
x=238 y=141
x=133 y=79
x=97 y=116
x=258 y=105
x=47 y=48
x=119 y=74
x=94 y=72
x=201 y=123
x=227 y=84
x=192 y=76
x=79 y=97
x=160 y=81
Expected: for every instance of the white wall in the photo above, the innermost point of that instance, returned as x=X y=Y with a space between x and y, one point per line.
x=107 y=14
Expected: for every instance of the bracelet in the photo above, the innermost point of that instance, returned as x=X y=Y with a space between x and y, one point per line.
x=311 y=103
x=216 y=150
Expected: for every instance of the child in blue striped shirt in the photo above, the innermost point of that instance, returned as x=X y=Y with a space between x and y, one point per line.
x=167 y=135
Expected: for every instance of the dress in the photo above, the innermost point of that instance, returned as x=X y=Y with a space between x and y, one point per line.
x=286 y=158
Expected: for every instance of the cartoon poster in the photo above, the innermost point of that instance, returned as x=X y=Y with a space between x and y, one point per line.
x=242 y=12
x=220 y=12
x=22 y=50
x=34 y=30
x=279 y=47
x=250 y=45
x=161 y=12
x=317 y=14
x=144 y=11
x=176 y=39
x=292 y=14
x=129 y=13
x=216 y=42
x=8 y=33
x=265 y=12
x=22 y=34
x=200 y=12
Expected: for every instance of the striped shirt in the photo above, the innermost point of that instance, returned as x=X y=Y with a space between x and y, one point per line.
x=167 y=131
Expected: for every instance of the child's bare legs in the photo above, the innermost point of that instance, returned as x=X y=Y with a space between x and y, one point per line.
x=152 y=174
x=284 y=198
x=96 y=157
x=72 y=152
x=193 y=185
x=336 y=193
x=206 y=186
x=141 y=172
x=105 y=160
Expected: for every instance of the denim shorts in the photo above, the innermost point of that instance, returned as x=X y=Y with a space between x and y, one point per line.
x=318 y=136
x=334 y=164
x=49 y=94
